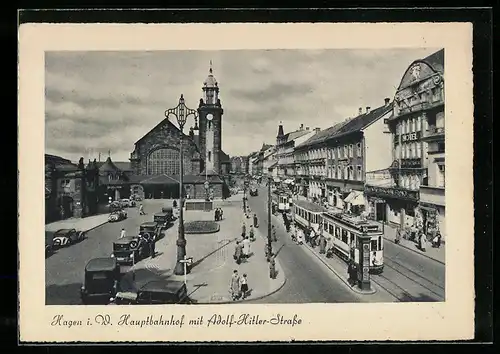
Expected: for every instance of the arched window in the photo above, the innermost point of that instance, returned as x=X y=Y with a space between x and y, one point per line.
x=166 y=161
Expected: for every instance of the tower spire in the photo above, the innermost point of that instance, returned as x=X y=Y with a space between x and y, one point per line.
x=210 y=66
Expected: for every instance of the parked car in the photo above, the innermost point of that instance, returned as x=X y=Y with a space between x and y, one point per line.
x=101 y=281
x=132 y=203
x=117 y=215
x=131 y=249
x=254 y=192
x=66 y=237
x=151 y=228
x=49 y=243
x=114 y=206
x=125 y=203
x=156 y=292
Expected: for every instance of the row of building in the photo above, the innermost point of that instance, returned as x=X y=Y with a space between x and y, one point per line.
x=388 y=162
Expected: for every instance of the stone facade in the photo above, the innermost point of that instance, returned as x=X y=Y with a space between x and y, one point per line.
x=165 y=135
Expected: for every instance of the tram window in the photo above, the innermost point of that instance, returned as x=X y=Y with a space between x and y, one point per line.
x=337 y=232
x=380 y=243
x=325 y=226
x=373 y=246
x=344 y=236
x=330 y=229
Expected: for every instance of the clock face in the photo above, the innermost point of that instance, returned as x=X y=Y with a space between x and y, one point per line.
x=210 y=116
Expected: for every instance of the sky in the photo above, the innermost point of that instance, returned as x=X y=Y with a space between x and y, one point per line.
x=100 y=102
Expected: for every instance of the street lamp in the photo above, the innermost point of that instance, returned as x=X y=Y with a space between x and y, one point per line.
x=181 y=112
x=269 y=221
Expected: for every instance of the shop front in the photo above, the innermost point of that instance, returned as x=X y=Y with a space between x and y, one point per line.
x=400 y=204
x=433 y=220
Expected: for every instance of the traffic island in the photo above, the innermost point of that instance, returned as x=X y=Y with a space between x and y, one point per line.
x=201 y=227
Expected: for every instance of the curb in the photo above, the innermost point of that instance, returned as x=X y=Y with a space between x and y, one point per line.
x=354 y=289
x=260 y=297
x=417 y=252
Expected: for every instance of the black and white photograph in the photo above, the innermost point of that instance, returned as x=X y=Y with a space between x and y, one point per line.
x=232 y=177
x=245 y=175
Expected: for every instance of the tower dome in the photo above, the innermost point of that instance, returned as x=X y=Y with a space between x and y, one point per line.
x=210 y=81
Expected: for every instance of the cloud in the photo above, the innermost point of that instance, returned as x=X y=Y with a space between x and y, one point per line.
x=104 y=101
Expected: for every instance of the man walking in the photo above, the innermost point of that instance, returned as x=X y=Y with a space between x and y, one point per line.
x=123 y=233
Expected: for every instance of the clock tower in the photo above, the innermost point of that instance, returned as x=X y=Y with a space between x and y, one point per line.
x=210 y=130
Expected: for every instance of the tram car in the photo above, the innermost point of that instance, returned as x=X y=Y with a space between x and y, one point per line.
x=345 y=230
x=283 y=200
x=308 y=214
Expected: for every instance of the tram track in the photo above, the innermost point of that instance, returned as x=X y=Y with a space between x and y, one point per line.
x=405 y=287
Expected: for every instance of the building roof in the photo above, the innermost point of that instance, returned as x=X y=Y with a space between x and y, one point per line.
x=280 y=131
x=210 y=80
x=265 y=147
x=348 y=126
x=223 y=157
x=295 y=135
x=108 y=166
x=436 y=60
x=60 y=163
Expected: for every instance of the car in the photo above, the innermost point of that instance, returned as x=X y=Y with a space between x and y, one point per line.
x=117 y=215
x=155 y=292
x=114 y=206
x=101 y=281
x=49 y=243
x=66 y=237
x=129 y=250
x=132 y=203
x=151 y=228
x=254 y=192
x=125 y=203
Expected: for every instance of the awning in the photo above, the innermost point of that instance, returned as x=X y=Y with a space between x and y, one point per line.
x=353 y=196
x=358 y=200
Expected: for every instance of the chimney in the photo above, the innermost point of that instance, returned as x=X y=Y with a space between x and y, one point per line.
x=302 y=127
x=360 y=111
x=387 y=100
x=307 y=128
x=368 y=109
x=317 y=130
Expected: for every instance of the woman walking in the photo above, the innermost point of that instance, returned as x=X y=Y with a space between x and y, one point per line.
x=238 y=251
x=234 y=286
x=423 y=241
x=322 y=244
x=246 y=247
x=244 y=286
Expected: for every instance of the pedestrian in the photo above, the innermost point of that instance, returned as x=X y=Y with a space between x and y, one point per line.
x=255 y=221
x=300 y=237
x=436 y=241
x=351 y=271
x=246 y=247
x=238 y=250
x=322 y=244
x=174 y=204
x=274 y=234
x=423 y=241
x=216 y=215
x=234 y=286
x=398 y=236
x=243 y=230
x=123 y=233
x=141 y=210
x=152 y=250
x=374 y=258
x=244 y=286
x=221 y=213
x=272 y=267
x=252 y=234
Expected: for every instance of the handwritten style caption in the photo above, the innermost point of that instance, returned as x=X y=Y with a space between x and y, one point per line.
x=215 y=320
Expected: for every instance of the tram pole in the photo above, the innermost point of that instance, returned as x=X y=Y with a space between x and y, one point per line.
x=272 y=268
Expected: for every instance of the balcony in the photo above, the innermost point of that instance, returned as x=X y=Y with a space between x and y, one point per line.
x=392 y=192
x=434 y=133
x=432 y=195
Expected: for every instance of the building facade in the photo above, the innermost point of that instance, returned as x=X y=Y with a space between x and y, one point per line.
x=268 y=159
x=156 y=156
x=285 y=147
x=239 y=165
x=412 y=189
x=331 y=165
x=70 y=189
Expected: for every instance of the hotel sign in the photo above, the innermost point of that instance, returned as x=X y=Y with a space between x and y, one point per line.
x=410 y=137
x=411 y=163
x=389 y=192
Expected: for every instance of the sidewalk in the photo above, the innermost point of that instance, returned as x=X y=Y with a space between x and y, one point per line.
x=437 y=254
x=79 y=224
x=213 y=264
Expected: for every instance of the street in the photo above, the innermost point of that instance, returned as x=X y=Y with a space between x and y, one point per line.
x=407 y=276
x=308 y=281
x=64 y=270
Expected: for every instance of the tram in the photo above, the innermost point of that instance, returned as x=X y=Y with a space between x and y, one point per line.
x=283 y=200
x=308 y=214
x=344 y=231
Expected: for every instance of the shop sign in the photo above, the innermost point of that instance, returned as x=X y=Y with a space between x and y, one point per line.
x=411 y=163
x=392 y=192
x=410 y=137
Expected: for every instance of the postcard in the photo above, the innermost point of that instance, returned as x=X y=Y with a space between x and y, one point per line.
x=245 y=182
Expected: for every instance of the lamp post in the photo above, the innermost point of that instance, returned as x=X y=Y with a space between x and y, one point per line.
x=269 y=221
x=181 y=112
